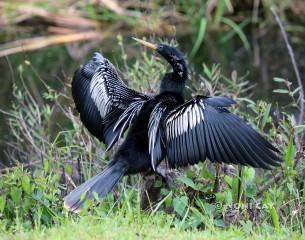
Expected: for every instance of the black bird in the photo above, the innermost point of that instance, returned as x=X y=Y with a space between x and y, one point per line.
x=161 y=127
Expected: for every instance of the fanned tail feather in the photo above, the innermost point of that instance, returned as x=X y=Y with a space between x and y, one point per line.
x=101 y=184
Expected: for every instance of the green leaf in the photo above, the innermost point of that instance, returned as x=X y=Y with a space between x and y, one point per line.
x=228 y=197
x=272 y=211
x=26 y=203
x=95 y=196
x=16 y=195
x=219 y=223
x=180 y=204
x=206 y=173
x=37 y=195
x=280 y=91
x=290 y=151
x=228 y=180
x=168 y=201
x=299 y=128
x=248 y=175
x=190 y=173
x=189 y=182
x=26 y=184
x=207 y=71
x=83 y=196
x=69 y=169
x=247 y=100
x=209 y=208
x=276 y=79
x=250 y=191
x=2 y=203
x=266 y=115
x=195 y=220
x=46 y=166
x=247 y=226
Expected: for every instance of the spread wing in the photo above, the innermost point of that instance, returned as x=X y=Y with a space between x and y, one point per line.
x=101 y=97
x=203 y=127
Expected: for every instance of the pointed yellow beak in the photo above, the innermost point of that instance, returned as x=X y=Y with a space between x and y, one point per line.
x=146 y=44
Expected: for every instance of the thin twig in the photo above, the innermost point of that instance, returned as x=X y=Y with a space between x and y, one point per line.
x=295 y=67
x=217 y=176
x=32 y=44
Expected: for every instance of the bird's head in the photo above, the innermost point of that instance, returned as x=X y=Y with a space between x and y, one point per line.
x=172 y=55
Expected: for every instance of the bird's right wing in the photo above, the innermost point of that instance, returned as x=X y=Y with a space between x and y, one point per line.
x=203 y=127
x=101 y=97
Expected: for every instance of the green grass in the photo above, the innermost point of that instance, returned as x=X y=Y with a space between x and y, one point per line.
x=156 y=227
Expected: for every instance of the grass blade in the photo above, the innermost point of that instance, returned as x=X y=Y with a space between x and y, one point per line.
x=200 y=37
x=238 y=31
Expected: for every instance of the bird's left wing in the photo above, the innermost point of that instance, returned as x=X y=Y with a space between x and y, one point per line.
x=107 y=89
x=203 y=127
x=101 y=98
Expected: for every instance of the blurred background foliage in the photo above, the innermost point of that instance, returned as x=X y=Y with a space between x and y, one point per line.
x=233 y=48
x=239 y=35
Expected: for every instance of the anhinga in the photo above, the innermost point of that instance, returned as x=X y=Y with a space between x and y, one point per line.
x=161 y=127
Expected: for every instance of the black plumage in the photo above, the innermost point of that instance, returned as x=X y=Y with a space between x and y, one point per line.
x=161 y=127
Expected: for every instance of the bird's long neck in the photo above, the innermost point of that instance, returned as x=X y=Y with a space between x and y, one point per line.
x=175 y=81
